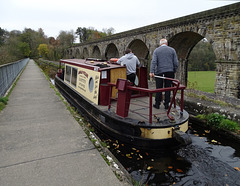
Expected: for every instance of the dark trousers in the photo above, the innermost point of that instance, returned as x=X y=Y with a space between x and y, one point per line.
x=131 y=77
x=160 y=83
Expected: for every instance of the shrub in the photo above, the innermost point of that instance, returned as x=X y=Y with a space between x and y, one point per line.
x=220 y=122
x=214 y=120
x=201 y=116
x=2 y=106
x=228 y=125
x=3 y=102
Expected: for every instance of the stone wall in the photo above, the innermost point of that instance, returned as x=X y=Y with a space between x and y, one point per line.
x=228 y=79
x=196 y=106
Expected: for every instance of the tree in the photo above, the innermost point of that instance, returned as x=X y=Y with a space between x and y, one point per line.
x=202 y=57
x=109 y=31
x=2 y=36
x=88 y=34
x=66 y=38
x=24 y=49
x=43 y=50
x=33 y=38
x=83 y=34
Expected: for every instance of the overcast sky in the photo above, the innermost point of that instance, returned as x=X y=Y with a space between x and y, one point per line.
x=56 y=15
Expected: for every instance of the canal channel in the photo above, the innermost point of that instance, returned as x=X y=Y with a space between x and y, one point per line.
x=209 y=160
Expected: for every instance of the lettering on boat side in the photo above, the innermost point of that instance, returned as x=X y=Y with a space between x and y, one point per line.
x=83 y=72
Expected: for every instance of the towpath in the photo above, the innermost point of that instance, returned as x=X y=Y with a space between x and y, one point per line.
x=42 y=144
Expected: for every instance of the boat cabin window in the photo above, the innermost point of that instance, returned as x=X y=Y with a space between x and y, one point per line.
x=90 y=84
x=74 y=77
x=71 y=75
x=68 y=73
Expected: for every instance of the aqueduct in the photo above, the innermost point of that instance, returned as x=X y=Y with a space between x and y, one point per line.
x=220 y=26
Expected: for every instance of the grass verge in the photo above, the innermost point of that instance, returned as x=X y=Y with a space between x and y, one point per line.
x=202 y=80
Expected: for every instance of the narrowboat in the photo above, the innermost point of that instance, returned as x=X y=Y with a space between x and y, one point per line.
x=100 y=91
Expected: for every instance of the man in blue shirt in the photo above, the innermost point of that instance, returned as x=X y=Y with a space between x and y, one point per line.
x=164 y=63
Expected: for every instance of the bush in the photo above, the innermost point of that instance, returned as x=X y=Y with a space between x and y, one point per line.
x=3 y=102
x=201 y=116
x=228 y=125
x=2 y=106
x=220 y=122
x=214 y=120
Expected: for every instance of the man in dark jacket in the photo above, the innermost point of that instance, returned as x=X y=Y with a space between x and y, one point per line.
x=164 y=63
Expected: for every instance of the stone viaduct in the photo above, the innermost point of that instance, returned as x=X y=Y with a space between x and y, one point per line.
x=220 y=26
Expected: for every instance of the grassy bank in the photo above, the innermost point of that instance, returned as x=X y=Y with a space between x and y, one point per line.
x=202 y=80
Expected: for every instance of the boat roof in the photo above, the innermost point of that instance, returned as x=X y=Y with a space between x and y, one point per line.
x=92 y=64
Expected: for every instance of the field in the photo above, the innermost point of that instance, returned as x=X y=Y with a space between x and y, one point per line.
x=201 y=80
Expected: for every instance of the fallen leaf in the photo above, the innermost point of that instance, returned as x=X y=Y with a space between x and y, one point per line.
x=146 y=153
x=207 y=131
x=179 y=170
x=214 y=141
x=170 y=167
x=140 y=156
x=149 y=167
x=134 y=149
x=237 y=168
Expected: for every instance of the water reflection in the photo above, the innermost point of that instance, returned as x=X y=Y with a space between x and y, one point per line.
x=150 y=167
x=170 y=167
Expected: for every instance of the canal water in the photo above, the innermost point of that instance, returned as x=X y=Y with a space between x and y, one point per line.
x=195 y=164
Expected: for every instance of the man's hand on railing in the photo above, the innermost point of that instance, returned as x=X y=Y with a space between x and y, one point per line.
x=151 y=75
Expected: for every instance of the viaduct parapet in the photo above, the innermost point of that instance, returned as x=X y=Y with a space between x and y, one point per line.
x=220 y=26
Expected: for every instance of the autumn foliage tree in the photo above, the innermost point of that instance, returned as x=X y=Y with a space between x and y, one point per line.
x=15 y=45
x=43 y=50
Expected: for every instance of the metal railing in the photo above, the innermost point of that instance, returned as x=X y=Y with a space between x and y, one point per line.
x=175 y=87
x=9 y=72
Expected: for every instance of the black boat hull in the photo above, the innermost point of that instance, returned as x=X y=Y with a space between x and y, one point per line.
x=125 y=130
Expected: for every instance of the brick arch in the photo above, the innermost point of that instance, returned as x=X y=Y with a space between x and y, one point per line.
x=184 y=42
x=71 y=53
x=85 y=53
x=96 y=52
x=67 y=53
x=111 y=51
x=140 y=49
x=77 y=53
